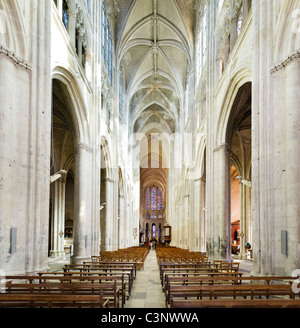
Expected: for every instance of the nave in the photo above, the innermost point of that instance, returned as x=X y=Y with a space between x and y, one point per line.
x=139 y=277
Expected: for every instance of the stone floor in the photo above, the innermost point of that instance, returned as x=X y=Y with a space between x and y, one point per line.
x=146 y=291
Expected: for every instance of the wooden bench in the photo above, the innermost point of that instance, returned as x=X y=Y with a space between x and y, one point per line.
x=132 y=254
x=178 y=267
x=105 y=267
x=220 y=278
x=127 y=271
x=200 y=274
x=109 y=291
x=174 y=254
x=98 y=261
x=266 y=303
x=109 y=273
x=231 y=291
x=66 y=281
x=202 y=279
x=52 y=301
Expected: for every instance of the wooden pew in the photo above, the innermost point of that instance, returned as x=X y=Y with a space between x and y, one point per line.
x=109 y=273
x=109 y=291
x=68 y=280
x=202 y=279
x=127 y=271
x=133 y=254
x=261 y=303
x=94 y=267
x=174 y=254
x=97 y=262
x=219 y=278
x=232 y=291
x=52 y=301
x=230 y=280
x=194 y=272
x=166 y=267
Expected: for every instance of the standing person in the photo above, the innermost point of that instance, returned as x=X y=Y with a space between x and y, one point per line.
x=149 y=244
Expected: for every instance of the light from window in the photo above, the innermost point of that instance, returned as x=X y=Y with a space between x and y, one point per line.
x=240 y=21
x=65 y=15
x=153 y=199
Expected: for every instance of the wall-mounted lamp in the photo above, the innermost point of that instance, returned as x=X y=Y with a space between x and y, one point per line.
x=246 y=182
x=57 y=175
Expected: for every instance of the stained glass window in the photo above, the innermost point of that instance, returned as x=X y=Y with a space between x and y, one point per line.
x=159 y=199
x=240 y=21
x=153 y=199
x=65 y=15
x=147 y=199
x=153 y=203
x=153 y=230
x=107 y=44
x=103 y=31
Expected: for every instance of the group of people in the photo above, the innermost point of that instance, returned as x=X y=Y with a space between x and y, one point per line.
x=152 y=243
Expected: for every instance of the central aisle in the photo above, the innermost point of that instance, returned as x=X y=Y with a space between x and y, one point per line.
x=146 y=291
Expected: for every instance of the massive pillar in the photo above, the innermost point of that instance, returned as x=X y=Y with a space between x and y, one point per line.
x=261 y=142
x=83 y=205
x=218 y=236
x=292 y=164
x=25 y=135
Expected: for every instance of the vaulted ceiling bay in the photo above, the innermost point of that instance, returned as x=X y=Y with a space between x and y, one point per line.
x=155 y=46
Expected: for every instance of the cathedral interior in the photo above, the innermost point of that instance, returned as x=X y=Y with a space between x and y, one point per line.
x=170 y=122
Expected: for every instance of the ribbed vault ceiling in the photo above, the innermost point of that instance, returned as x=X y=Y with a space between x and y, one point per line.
x=154 y=49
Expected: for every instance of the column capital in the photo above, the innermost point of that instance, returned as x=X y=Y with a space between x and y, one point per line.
x=281 y=65
x=223 y=146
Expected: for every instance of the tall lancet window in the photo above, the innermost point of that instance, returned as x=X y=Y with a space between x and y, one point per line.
x=153 y=203
x=153 y=199
x=107 y=44
x=147 y=199
x=159 y=200
x=65 y=14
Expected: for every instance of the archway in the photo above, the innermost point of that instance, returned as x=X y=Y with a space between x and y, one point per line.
x=239 y=141
x=61 y=220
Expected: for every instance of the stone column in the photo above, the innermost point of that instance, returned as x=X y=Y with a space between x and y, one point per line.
x=242 y=219
x=193 y=224
x=83 y=205
x=261 y=143
x=233 y=25
x=72 y=22
x=58 y=217
x=202 y=223
x=122 y=231
x=220 y=237
x=186 y=222
x=246 y=9
x=107 y=224
x=292 y=163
